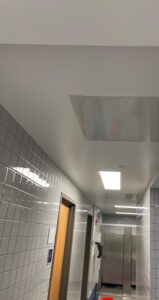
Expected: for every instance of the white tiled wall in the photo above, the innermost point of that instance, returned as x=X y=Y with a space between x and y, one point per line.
x=143 y=250
x=27 y=210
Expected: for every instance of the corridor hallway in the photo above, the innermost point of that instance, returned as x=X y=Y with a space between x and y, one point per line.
x=79 y=149
x=93 y=239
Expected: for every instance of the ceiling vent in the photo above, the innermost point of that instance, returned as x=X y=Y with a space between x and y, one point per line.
x=110 y=118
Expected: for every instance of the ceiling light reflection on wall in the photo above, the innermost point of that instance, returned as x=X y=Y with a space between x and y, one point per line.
x=82 y=210
x=32 y=176
x=111 y=180
x=43 y=202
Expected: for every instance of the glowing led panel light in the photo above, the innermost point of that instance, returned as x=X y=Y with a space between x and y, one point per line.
x=111 y=180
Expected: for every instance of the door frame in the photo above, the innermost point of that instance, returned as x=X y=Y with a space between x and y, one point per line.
x=68 y=247
x=86 y=260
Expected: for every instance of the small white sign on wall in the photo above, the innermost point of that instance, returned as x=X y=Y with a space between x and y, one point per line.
x=51 y=235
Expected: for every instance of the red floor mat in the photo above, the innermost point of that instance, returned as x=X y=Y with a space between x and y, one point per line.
x=106 y=298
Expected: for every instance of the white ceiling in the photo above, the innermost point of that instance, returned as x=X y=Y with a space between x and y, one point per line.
x=75 y=22
x=35 y=84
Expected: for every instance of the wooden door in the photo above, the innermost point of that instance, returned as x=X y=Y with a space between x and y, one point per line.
x=55 y=283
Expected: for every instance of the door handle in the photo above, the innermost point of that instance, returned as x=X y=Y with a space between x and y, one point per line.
x=100 y=249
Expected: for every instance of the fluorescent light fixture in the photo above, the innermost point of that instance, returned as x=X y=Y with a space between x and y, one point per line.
x=111 y=180
x=32 y=176
x=130 y=213
x=118 y=225
x=131 y=207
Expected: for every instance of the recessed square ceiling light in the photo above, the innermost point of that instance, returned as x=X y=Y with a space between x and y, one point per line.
x=111 y=180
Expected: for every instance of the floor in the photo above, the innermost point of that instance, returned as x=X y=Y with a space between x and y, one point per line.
x=115 y=293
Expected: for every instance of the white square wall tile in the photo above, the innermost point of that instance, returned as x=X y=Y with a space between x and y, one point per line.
x=23 y=248
x=5 y=280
